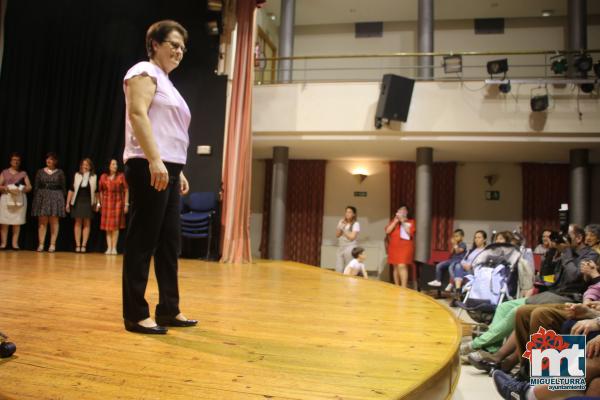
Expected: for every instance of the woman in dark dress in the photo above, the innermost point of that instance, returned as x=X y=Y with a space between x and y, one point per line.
x=82 y=202
x=49 y=200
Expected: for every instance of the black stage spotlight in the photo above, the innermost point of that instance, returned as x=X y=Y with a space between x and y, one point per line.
x=539 y=103
x=584 y=63
x=559 y=66
x=497 y=66
x=504 y=87
x=587 y=87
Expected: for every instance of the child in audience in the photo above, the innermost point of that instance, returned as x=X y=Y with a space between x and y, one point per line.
x=356 y=266
x=457 y=253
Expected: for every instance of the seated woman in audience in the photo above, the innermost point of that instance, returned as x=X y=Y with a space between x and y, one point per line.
x=357 y=265
x=465 y=267
x=401 y=245
x=567 y=288
x=49 y=200
x=457 y=253
x=14 y=183
x=114 y=202
x=544 y=243
x=347 y=233
x=81 y=203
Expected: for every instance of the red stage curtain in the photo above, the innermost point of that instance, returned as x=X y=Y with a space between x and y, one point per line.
x=402 y=191
x=402 y=186
x=442 y=216
x=545 y=188
x=304 y=211
x=237 y=160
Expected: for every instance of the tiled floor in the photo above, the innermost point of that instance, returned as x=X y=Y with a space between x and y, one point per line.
x=473 y=384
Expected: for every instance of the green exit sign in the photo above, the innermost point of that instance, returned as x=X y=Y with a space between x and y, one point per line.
x=360 y=194
x=492 y=195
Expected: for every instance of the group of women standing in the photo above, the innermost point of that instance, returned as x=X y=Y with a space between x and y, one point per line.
x=400 y=233
x=52 y=201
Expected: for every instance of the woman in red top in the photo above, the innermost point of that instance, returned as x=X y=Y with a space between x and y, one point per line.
x=401 y=247
x=114 y=201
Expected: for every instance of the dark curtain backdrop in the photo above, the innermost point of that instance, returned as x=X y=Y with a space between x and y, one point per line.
x=61 y=86
x=304 y=211
x=545 y=188
x=403 y=192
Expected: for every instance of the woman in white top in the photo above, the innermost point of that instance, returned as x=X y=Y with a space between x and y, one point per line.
x=347 y=233
x=82 y=202
x=14 y=183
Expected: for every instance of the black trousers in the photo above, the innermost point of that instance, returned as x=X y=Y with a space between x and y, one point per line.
x=153 y=230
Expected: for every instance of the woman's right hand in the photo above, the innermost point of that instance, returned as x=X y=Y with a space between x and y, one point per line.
x=159 y=176
x=68 y=208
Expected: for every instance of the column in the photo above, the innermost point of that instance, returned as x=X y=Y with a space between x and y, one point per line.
x=576 y=30
x=579 y=192
x=286 y=40
x=278 y=203
x=423 y=203
x=425 y=38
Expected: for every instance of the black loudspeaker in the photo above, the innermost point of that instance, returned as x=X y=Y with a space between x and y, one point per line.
x=394 y=99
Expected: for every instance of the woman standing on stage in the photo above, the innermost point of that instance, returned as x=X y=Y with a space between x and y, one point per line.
x=14 y=183
x=114 y=201
x=156 y=142
x=347 y=233
x=49 y=200
x=82 y=202
x=401 y=248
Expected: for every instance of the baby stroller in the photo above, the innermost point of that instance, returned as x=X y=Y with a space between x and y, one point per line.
x=495 y=279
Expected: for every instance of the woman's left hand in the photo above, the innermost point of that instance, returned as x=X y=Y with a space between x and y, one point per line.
x=184 y=186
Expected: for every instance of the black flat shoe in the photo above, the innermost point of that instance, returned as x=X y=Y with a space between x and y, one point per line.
x=172 y=321
x=137 y=328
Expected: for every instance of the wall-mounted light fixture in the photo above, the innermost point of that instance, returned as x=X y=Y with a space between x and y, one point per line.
x=360 y=174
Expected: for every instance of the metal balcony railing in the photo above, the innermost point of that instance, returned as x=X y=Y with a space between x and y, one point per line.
x=371 y=67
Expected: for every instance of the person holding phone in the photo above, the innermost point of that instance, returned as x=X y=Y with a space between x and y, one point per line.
x=401 y=249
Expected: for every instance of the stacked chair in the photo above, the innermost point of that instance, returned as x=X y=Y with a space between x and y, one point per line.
x=198 y=211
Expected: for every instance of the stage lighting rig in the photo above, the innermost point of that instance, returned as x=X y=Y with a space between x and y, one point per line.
x=559 y=66
x=584 y=64
x=496 y=67
x=539 y=102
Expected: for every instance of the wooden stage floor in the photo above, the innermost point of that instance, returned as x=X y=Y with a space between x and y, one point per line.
x=269 y=330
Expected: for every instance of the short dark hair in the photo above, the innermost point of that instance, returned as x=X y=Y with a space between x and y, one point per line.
x=52 y=155
x=159 y=31
x=460 y=231
x=578 y=230
x=357 y=251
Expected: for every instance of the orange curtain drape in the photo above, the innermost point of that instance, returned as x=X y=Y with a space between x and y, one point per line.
x=237 y=160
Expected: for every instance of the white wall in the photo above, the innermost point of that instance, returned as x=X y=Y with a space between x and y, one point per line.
x=472 y=211
x=457 y=35
x=435 y=107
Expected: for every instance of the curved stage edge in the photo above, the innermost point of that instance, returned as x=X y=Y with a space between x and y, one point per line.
x=276 y=330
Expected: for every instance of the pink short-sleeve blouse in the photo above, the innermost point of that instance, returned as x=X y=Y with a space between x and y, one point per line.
x=169 y=117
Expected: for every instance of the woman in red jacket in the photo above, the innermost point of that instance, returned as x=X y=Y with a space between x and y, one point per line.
x=401 y=248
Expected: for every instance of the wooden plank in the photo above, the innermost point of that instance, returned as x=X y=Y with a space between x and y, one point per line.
x=275 y=330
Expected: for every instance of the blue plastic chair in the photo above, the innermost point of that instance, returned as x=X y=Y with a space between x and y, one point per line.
x=197 y=214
